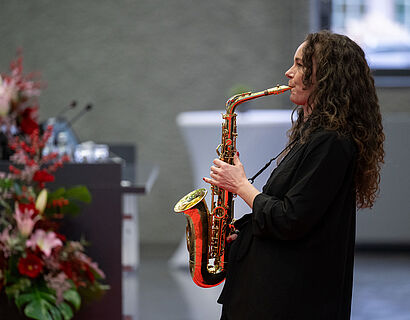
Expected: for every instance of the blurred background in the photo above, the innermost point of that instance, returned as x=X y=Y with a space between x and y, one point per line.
x=143 y=62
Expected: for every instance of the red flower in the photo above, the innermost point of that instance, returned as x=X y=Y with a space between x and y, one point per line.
x=78 y=272
x=89 y=273
x=48 y=225
x=61 y=237
x=67 y=268
x=14 y=170
x=28 y=123
x=28 y=206
x=30 y=266
x=42 y=176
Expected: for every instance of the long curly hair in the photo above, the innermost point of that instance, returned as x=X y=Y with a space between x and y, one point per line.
x=344 y=100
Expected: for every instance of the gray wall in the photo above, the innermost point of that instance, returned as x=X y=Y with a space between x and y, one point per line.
x=141 y=62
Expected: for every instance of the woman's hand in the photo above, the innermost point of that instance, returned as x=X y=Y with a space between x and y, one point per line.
x=232 y=237
x=233 y=179
x=226 y=176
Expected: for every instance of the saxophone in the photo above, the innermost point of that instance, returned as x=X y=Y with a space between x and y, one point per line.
x=206 y=231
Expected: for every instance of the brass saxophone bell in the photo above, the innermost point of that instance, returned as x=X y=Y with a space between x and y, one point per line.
x=190 y=200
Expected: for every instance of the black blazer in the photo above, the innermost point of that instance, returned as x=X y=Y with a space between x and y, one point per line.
x=293 y=258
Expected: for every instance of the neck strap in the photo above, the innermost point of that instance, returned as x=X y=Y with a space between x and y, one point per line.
x=251 y=180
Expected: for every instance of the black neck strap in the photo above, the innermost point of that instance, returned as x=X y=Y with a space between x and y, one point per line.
x=251 y=180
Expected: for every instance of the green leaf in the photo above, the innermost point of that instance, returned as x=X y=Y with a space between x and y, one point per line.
x=5 y=205
x=47 y=296
x=55 y=313
x=93 y=292
x=41 y=304
x=17 y=188
x=65 y=310
x=79 y=193
x=57 y=193
x=24 y=299
x=21 y=285
x=75 y=196
x=73 y=297
x=71 y=208
x=6 y=183
x=38 y=309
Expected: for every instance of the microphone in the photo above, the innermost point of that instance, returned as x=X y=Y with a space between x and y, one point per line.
x=74 y=119
x=72 y=105
x=63 y=125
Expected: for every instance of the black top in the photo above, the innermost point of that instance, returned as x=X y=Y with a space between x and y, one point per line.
x=293 y=258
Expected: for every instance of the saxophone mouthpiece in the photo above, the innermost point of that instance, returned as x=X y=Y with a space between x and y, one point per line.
x=277 y=90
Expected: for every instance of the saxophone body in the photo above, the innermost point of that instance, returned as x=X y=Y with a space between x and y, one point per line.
x=206 y=231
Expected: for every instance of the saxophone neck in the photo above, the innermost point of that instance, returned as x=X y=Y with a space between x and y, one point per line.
x=235 y=100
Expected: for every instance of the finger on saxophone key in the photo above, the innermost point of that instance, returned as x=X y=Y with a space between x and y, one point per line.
x=232 y=237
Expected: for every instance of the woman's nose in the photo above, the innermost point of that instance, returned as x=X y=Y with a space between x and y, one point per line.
x=289 y=73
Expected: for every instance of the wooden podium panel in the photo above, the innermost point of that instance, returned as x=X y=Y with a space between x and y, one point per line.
x=100 y=223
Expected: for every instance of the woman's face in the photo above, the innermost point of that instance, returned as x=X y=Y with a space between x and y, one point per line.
x=299 y=93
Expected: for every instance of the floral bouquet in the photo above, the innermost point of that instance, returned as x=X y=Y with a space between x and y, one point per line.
x=40 y=269
x=18 y=99
x=44 y=273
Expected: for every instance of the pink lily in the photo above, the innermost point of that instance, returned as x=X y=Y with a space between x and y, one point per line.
x=5 y=236
x=45 y=241
x=25 y=222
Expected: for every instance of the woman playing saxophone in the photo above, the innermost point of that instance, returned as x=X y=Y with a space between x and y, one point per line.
x=293 y=257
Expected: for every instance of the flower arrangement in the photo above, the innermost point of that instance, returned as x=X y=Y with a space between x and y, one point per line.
x=43 y=272
x=18 y=99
